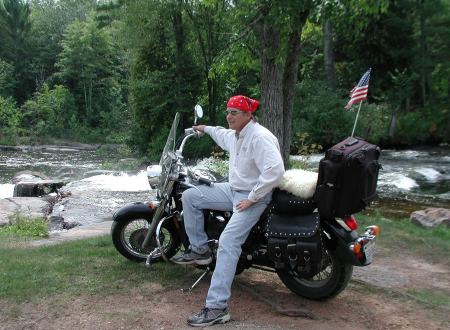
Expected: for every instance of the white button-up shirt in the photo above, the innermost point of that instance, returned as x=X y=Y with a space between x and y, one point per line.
x=255 y=163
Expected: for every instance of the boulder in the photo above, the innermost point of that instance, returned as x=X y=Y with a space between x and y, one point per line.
x=37 y=188
x=57 y=223
x=431 y=217
x=29 y=176
x=27 y=206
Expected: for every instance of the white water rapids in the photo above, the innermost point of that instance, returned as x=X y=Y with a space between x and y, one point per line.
x=411 y=176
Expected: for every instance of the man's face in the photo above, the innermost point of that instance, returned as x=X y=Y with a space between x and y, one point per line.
x=237 y=119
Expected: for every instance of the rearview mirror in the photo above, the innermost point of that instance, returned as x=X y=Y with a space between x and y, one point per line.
x=198 y=113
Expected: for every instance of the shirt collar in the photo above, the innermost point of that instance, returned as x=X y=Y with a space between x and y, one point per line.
x=246 y=128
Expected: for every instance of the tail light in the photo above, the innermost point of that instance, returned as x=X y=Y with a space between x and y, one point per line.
x=348 y=223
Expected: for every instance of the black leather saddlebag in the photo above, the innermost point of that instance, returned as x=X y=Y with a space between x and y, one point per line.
x=348 y=176
x=287 y=203
x=294 y=242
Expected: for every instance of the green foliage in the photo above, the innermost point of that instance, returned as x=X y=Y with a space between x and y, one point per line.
x=7 y=79
x=10 y=119
x=130 y=65
x=427 y=126
x=50 y=112
x=15 y=48
x=50 y=19
x=86 y=64
x=373 y=122
x=302 y=147
x=164 y=78
x=23 y=226
x=320 y=113
x=216 y=163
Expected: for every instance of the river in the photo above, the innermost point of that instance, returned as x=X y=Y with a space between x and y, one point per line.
x=409 y=180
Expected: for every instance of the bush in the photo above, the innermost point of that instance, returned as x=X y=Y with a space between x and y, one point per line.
x=50 y=112
x=26 y=227
x=373 y=122
x=7 y=80
x=421 y=127
x=10 y=118
x=320 y=113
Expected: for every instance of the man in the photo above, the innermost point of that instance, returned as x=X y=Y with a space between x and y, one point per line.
x=255 y=168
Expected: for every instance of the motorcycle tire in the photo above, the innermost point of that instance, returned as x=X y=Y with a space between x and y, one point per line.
x=128 y=235
x=331 y=279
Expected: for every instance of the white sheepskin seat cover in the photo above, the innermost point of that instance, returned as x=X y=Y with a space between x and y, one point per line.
x=300 y=183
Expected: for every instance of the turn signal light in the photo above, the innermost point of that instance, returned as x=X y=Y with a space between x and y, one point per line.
x=350 y=221
x=357 y=248
x=372 y=230
x=375 y=230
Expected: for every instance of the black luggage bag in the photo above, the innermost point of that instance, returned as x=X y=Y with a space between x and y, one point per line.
x=348 y=176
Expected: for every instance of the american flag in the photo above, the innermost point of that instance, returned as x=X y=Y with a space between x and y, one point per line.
x=359 y=92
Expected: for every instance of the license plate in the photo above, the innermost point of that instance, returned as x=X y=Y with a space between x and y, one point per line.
x=369 y=250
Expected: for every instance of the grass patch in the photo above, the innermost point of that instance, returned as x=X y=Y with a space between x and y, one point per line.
x=25 y=227
x=432 y=297
x=90 y=266
x=403 y=235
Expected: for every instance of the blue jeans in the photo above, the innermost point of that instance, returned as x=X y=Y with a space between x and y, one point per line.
x=222 y=198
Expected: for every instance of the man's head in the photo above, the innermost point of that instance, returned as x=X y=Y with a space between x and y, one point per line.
x=240 y=111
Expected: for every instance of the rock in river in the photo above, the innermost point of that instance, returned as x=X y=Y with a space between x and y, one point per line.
x=38 y=188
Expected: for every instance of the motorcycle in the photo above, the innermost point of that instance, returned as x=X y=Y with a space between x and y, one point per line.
x=313 y=255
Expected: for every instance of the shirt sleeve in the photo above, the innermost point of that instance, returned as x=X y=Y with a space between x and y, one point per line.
x=270 y=163
x=220 y=135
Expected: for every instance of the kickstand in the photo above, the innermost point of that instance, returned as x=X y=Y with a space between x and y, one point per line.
x=207 y=270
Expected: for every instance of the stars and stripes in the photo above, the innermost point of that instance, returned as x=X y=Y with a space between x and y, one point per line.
x=359 y=92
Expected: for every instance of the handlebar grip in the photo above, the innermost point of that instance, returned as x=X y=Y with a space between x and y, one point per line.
x=205 y=182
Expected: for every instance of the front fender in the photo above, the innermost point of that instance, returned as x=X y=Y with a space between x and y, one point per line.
x=135 y=210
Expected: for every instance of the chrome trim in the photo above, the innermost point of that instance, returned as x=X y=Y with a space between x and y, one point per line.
x=158 y=232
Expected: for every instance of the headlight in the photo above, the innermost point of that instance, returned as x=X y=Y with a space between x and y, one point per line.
x=153 y=174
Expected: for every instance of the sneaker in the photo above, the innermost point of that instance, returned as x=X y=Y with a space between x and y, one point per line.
x=190 y=257
x=208 y=317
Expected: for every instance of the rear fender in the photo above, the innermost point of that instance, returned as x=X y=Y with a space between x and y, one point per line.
x=338 y=240
x=135 y=210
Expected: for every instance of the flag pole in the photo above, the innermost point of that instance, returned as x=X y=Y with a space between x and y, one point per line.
x=357 y=115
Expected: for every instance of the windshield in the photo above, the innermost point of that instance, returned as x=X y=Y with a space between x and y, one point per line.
x=169 y=148
x=171 y=139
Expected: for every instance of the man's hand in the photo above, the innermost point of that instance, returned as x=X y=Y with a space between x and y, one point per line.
x=244 y=204
x=200 y=128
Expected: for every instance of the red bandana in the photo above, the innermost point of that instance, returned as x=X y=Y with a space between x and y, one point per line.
x=243 y=103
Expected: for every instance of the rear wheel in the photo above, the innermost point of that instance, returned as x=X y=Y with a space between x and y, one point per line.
x=332 y=278
x=128 y=236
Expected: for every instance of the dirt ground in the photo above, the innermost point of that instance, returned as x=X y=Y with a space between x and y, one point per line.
x=376 y=298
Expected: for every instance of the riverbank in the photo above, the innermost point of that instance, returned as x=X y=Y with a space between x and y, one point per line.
x=66 y=146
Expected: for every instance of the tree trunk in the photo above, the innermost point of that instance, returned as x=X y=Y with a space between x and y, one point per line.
x=86 y=105
x=329 y=55
x=393 y=124
x=277 y=82
x=290 y=77
x=271 y=83
x=424 y=76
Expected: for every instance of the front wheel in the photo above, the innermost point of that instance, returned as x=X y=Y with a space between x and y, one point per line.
x=331 y=279
x=129 y=234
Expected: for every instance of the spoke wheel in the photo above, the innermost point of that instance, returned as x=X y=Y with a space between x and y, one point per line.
x=129 y=235
x=332 y=278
